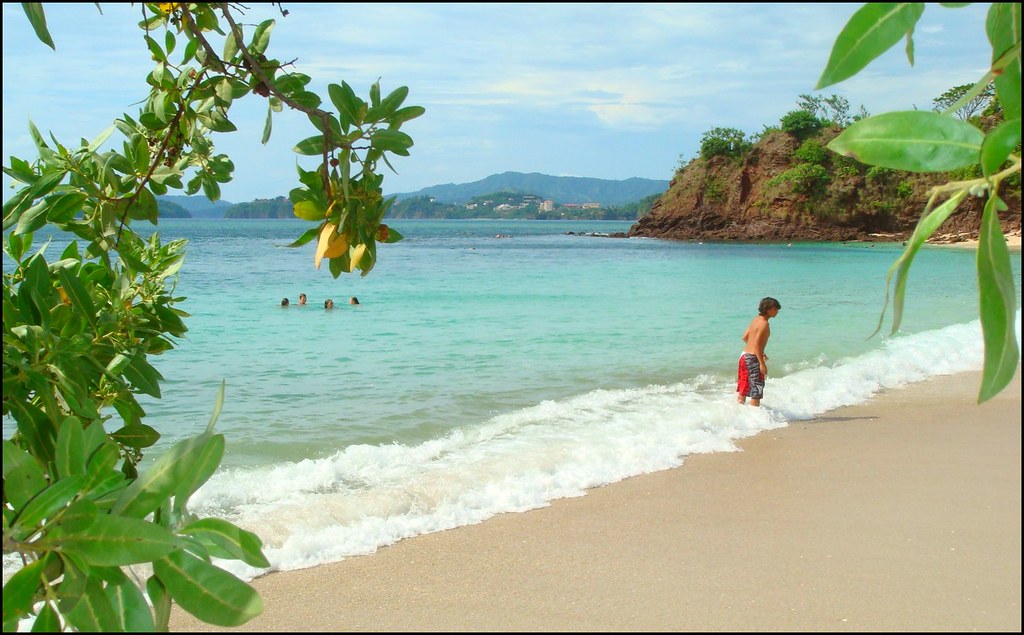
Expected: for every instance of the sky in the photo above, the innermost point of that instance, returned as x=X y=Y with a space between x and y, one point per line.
x=608 y=91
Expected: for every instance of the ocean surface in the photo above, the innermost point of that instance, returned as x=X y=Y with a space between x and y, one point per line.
x=494 y=366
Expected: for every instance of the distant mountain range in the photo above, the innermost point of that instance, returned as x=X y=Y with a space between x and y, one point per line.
x=560 y=189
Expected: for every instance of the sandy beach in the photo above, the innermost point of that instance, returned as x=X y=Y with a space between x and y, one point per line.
x=1012 y=241
x=901 y=514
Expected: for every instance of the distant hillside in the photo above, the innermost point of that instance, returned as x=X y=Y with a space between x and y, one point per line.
x=279 y=207
x=169 y=209
x=197 y=206
x=561 y=189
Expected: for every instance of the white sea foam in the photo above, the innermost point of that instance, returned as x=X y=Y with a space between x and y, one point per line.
x=365 y=497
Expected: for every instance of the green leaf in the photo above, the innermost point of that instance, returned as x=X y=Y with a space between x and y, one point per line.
x=872 y=30
x=79 y=516
x=34 y=218
x=20 y=170
x=268 y=125
x=925 y=228
x=103 y=136
x=143 y=376
x=306 y=99
x=998 y=304
x=311 y=146
x=39 y=141
x=47 y=620
x=130 y=607
x=391 y=141
x=204 y=463
x=1003 y=25
x=22 y=201
x=230 y=47
x=289 y=83
x=34 y=11
x=228 y=540
x=169 y=42
x=20 y=590
x=144 y=207
x=390 y=104
x=155 y=50
x=998 y=145
x=913 y=141
x=92 y=612
x=136 y=435
x=207 y=592
x=70 y=448
x=113 y=541
x=18 y=245
x=161 y=600
x=14 y=458
x=216 y=121
x=375 y=94
x=22 y=483
x=405 y=114
x=78 y=294
x=306 y=236
x=310 y=210
x=345 y=100
x=64 y=207
x=261 y=37
x=174 y=467
x=224 y=92
x=218 y=405
x=46 y=504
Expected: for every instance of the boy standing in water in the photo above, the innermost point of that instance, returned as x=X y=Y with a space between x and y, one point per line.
x=753 y=367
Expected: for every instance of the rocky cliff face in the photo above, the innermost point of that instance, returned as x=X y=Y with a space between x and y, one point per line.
x=771 y=194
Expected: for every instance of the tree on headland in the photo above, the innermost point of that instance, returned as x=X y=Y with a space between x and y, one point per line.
x=971 y=106
x=834 y=109
x=924 y=141
x=723 y=142
x=79 y=330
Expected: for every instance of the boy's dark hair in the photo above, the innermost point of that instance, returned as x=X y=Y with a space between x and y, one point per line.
x=767 y=304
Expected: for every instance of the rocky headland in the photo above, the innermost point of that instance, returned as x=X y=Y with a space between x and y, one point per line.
x=784 y=188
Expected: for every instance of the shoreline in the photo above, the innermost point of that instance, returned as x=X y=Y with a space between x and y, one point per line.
x=1012 y=241
x=902 y=513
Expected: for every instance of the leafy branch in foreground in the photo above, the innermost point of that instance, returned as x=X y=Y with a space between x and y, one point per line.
x=920 y=141
x=79 y=331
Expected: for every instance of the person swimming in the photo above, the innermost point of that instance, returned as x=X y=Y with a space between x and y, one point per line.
x=328 y=303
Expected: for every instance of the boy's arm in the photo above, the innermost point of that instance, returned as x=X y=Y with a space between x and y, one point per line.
x=760 y=341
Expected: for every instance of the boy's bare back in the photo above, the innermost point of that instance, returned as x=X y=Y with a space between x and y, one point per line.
x=756 y=337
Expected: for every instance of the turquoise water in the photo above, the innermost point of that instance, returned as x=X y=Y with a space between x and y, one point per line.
x=456 y=325
x=484 y=374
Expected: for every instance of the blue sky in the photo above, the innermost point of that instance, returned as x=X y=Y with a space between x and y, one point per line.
x=608 y=91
